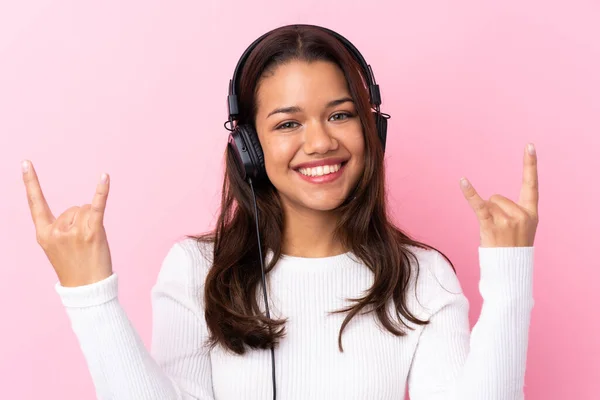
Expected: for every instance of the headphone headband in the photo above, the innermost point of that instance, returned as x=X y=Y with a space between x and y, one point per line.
x=374 y=94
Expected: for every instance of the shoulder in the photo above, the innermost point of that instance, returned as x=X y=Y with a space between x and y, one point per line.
x=434 y=281
x=186 y=263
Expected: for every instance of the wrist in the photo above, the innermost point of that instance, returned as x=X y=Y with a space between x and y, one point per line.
x=72 y=282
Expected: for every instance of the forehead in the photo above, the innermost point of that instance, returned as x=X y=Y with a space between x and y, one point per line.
x=301 y=83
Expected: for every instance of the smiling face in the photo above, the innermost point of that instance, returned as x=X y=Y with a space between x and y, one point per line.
x=310 y=133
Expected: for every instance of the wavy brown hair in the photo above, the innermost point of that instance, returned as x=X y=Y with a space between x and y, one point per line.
x=232 y=310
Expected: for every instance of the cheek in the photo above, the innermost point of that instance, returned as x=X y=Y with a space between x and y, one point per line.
x=278 y=153
x=355 y=145
x=354 y=141
x=359 y=146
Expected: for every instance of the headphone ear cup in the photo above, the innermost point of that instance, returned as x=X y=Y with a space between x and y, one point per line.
x=381 y=125
x=244 y=142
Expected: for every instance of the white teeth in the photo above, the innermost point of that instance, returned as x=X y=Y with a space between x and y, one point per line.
x=321 y=170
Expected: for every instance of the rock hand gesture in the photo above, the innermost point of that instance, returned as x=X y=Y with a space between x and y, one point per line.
x=75 y=242
x=502 y=222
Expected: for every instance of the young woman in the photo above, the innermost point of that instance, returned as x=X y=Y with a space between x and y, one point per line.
x=356 y=308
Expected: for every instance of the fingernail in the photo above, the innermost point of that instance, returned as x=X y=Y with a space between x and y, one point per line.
x=531 y=148
x=25 y=166
x=103 y=178
x=464 y=183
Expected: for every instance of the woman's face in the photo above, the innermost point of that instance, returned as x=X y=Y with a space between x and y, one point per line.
x=310 y=134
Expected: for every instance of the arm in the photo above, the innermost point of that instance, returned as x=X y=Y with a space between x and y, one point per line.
x=450 y=362
x=120 y=365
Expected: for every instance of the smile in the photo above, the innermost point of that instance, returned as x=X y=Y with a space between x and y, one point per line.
x=320 y=170
x=321 y=173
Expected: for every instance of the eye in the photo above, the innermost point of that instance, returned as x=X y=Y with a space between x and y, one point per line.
x=340 y=116
x=287 y=125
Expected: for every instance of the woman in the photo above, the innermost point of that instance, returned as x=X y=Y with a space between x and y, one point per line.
x=358 y=309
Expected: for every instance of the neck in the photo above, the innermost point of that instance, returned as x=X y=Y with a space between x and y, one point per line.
x=309 y=233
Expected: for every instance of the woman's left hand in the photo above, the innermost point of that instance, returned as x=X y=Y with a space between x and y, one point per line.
x=502 y=222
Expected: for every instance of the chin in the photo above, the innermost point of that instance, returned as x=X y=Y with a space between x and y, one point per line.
x=312 y=202
x=324 y=203
x=308 y=196
x=323 y=206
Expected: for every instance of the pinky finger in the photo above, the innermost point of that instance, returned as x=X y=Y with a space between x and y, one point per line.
x=99 y=201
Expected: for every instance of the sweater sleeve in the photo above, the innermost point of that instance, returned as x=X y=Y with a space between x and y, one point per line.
x=178 y=367
x=451 y=362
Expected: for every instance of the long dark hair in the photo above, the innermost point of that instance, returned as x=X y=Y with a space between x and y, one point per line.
x=232 y=311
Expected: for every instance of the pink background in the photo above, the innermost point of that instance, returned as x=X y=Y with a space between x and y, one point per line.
x=137 y=89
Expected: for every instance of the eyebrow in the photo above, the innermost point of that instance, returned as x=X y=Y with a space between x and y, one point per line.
x=296 y=109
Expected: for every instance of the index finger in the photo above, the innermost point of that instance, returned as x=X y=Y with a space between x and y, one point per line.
x=40 y=212
x=99 y=201
x=529 y=196
x=475 y=201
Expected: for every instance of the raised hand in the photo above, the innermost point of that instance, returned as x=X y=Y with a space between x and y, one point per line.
x=502 y=222
x=75 y=242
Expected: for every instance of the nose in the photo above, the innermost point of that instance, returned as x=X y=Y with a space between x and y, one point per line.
x=317 y=139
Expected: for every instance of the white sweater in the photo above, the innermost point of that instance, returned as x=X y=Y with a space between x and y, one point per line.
x=439 y=361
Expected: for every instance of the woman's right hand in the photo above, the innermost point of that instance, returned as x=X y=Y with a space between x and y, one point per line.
x=75 y=242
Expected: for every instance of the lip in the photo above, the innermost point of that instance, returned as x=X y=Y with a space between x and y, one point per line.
x=323 y=178
x=320 y=163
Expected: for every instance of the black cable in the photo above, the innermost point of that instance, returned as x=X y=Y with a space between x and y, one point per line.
x=264 y=285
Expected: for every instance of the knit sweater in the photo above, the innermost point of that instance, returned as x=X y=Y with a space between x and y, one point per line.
x=443 y=360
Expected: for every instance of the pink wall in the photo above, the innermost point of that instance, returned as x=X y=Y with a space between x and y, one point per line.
x=138 y=89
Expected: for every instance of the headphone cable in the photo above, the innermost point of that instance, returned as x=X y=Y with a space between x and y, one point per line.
x=264 y=285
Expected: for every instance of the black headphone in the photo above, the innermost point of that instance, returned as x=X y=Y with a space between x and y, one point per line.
x=243 y=140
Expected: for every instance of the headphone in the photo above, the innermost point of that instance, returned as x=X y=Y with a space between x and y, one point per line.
x=245 y=146
x=243 y=139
